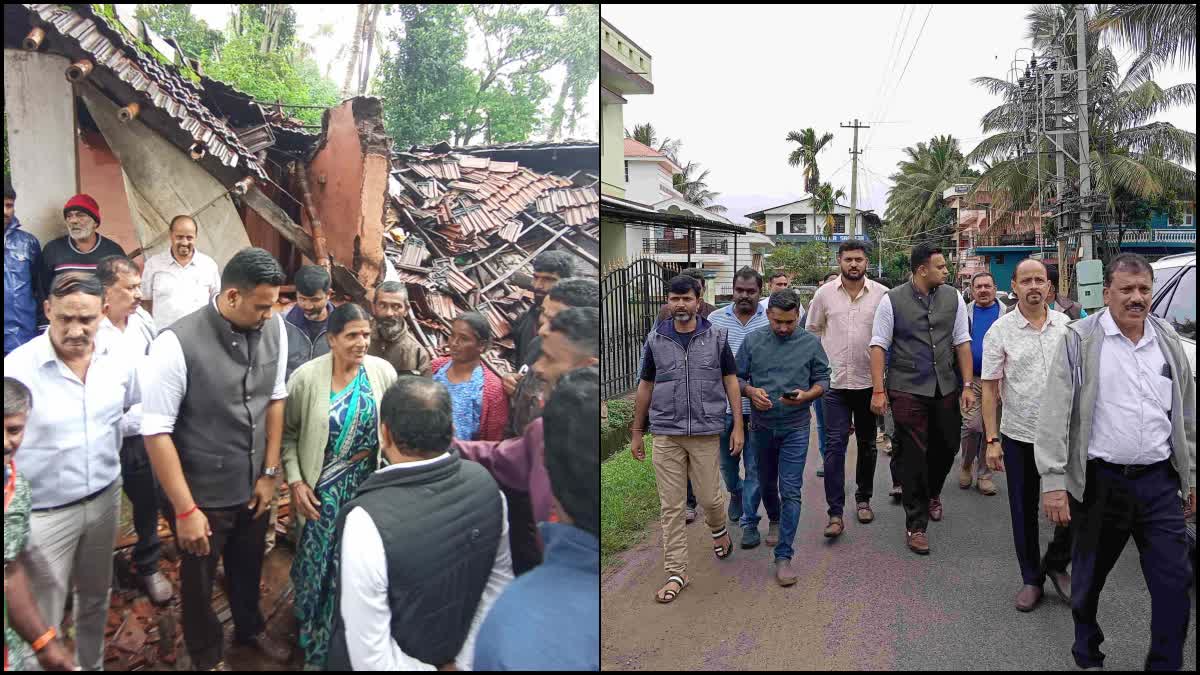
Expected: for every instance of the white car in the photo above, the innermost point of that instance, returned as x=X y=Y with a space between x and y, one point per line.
x=1175 y=297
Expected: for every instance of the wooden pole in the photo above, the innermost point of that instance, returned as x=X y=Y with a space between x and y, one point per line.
x=318 y=231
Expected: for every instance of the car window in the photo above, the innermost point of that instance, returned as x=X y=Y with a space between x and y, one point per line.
x=1182 y=310
x=1164 y=276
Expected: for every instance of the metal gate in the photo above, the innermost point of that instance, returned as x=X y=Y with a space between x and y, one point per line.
x=630 y=299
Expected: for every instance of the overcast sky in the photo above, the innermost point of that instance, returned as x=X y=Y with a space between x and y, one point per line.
x=309 y=17
x=733 y=81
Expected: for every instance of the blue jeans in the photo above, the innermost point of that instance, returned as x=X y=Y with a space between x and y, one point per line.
x=820 y=408
x=754 y=491
x=781 y=454
x=729 y=463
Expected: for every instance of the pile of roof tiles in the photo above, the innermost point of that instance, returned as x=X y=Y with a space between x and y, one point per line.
x=462 y=231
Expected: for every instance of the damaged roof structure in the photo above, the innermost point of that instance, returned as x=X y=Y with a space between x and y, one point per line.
x=462 y=231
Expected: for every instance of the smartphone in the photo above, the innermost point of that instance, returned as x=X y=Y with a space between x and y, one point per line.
x=791 y=395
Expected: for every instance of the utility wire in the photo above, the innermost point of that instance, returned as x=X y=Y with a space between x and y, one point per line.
x=900 y=80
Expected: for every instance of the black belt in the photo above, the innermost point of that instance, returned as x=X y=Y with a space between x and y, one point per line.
x=77 y=502
x=1130 y=470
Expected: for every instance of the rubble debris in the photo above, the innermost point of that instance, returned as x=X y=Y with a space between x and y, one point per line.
x=462 y=231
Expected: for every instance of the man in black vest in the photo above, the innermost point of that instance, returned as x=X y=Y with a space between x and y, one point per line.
x=923 y=323
x=424 y=546
x=213 y=419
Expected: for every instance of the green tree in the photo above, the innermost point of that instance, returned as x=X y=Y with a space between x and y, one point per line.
x=806 y=155
x=273 y=76
x=425 y=87
x=1130 y=155
x=579 y=52
x=825 y=201
x=176 y=21
x=916 y=196
x=692 y=183
x=647 y=135
x=1166 y=31
x=806 y=264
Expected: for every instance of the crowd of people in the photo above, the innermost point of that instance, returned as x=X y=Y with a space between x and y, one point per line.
x=444 y=513
x=1092 y=419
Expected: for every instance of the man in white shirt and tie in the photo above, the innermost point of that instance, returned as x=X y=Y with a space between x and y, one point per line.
x=1118 y=467
x=180 y=280
x=131 y=330
x=71 y=457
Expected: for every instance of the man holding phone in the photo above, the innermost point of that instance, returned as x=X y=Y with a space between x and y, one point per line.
x=782 y=368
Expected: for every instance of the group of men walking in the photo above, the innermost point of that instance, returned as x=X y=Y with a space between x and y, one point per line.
x=171 y=383
x=1103 y=445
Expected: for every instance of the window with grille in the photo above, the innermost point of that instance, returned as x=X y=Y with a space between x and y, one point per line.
x=799 y=223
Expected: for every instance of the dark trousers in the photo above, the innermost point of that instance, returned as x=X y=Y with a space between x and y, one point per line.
x=523 y=538
x=1117 y=504
x=239 y=540
x=142 y=490
x=927 y=434
x=1024 y=501
x=839 y=405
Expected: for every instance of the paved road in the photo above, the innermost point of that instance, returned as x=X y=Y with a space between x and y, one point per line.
x=864 y=601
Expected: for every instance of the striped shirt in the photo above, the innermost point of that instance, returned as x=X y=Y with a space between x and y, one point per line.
x=726 y=318
x=61 y=255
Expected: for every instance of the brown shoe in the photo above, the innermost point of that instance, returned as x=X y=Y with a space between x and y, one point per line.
x=835 y=527
x=935 y=508
x=157 y=588
x=964 y=476
x=221 y=667
x=918 y=542
x=896 y=493
x=773 y=533
x=269 y=647
x=783 y=572
x=1029 y=597
x=884 y=443
x=987 y=487
x=865 y=514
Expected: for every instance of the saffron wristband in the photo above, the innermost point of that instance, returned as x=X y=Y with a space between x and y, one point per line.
x=40 y=643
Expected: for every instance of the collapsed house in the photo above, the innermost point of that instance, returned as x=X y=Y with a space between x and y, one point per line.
x=96 y=102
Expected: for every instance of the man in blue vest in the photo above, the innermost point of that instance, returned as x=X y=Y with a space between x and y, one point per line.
x=982 y=312
x=684 y=365
x=923 y=323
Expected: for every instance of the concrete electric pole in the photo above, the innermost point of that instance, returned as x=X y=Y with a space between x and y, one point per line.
x=854 y=175
x=1081 y=116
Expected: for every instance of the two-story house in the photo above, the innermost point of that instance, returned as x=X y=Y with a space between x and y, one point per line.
x=795 y=223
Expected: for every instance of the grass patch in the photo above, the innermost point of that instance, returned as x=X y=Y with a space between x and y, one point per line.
x=628 y=502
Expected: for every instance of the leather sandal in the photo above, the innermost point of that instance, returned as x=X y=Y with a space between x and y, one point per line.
x=722 y=551
x=669 y=594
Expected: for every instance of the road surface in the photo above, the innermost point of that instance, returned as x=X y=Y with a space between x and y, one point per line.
x=864 y=601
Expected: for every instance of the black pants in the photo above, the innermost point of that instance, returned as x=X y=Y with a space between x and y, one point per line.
x=522 y=532
x=1024 y=500
x=142 y=490
x=1118 y=503
x=840 y=404
x=239 y=540
x=927 y=434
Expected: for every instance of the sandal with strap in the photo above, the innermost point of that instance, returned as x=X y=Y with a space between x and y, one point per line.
x=722 y=552
x=669 y=594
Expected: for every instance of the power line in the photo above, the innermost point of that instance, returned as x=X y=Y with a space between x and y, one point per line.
x=912 y=51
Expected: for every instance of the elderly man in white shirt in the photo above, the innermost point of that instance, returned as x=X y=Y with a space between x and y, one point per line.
x=181 y=279
x=131 y=330
x=1017 y=353
x=1126 y=454
x=70 y=456
x=400 y=608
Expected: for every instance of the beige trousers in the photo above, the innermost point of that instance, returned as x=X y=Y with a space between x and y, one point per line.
x=677 y=458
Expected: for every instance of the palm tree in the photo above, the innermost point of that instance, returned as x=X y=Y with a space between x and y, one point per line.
x=693 y=185
x=920 y=180
x=825 y=200
x=1130 y=156
x=1168 y=30
x=648 y=136
x=806 y=156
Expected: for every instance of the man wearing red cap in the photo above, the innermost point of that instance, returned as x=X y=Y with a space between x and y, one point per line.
x=82 y=248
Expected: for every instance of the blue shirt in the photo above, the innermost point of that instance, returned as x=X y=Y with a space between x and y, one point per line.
x=726 y=318
x=549 y=617
x=466 y=400
x=780 y=365
x=981 y=320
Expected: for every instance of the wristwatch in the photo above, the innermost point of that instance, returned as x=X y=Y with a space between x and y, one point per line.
x=271 y=472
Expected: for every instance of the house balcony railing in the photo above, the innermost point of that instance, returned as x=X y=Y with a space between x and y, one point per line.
x=698 y=246
x=1017 y=239
x=1172 y=236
